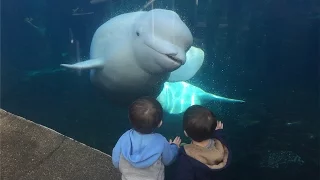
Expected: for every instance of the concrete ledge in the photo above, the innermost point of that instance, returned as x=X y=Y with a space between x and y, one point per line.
x=31 y=151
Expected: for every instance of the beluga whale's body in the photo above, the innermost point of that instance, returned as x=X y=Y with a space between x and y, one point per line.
x=133 y=54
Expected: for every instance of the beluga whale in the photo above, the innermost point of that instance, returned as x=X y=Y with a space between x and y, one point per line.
x=176 y=97
x=134 y=54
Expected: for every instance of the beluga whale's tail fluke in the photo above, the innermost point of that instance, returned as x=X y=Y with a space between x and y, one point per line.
x=214 y=97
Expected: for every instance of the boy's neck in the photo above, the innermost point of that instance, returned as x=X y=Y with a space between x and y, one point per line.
x=204 y=143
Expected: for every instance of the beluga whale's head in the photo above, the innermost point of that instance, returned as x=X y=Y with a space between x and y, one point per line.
x=160 y=41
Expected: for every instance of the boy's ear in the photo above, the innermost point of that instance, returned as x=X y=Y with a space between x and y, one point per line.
x=185 y=133
x=160 y=124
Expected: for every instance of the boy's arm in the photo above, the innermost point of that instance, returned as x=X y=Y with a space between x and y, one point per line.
x=116 y=153
x=219 y=135
x=169 y=153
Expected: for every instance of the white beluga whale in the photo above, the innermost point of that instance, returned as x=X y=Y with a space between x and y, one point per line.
x=134 y=54
x=176 y=97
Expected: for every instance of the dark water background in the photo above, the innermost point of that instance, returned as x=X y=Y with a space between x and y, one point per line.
x=264 y=51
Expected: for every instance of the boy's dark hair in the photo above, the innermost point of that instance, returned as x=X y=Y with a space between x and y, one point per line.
x=145 y=114
x=199 y=123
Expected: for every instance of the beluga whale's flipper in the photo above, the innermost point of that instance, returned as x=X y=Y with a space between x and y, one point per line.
x=194 y=61
x=88 y=64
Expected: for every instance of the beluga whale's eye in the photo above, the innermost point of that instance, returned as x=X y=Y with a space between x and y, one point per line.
x=137 y=33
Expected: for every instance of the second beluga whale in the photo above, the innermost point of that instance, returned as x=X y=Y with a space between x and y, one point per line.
x=134 y=54
x=176 y=97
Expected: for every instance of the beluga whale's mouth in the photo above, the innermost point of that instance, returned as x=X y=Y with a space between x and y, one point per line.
x=171 y=52
x=175 y=59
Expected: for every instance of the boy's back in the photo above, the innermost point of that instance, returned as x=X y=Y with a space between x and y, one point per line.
x=208 y=153
x=141 y=155
x=195 y=163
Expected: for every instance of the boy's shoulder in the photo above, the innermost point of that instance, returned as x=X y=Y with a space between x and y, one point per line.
x=156 y=135
x=126 y=133
x=159 y=136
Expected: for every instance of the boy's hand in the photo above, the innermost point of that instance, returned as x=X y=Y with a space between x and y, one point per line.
x=176 y=141
x=219 y=125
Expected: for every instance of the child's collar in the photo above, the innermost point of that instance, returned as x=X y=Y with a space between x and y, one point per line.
x=209 y=145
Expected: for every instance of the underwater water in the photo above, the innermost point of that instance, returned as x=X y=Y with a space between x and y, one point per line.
x=263 y=52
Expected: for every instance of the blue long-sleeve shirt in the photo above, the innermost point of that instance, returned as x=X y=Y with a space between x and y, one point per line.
x=142 y=150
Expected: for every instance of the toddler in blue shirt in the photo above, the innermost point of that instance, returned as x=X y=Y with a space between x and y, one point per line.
x=140 y=153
